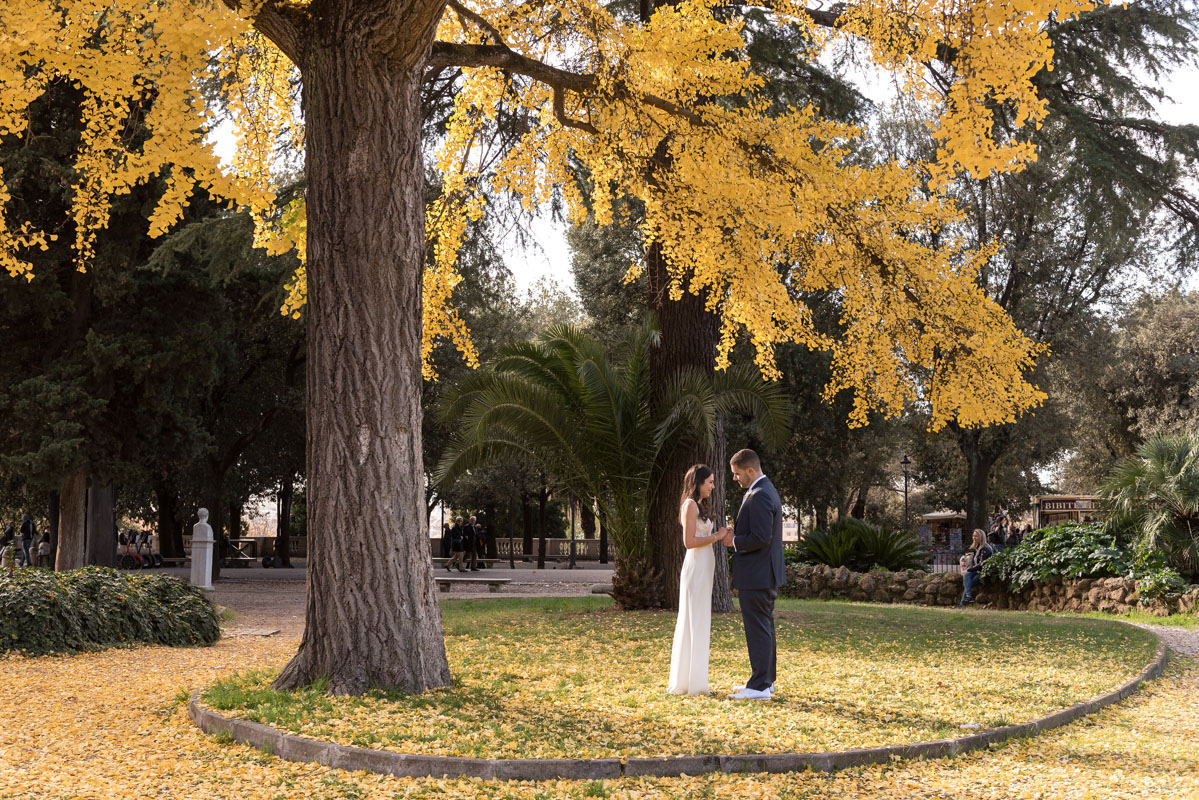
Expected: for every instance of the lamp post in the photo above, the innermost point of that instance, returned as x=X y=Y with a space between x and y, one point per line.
x=906 y=463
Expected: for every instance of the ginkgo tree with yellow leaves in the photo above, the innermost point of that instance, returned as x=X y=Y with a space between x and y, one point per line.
x=748 y=208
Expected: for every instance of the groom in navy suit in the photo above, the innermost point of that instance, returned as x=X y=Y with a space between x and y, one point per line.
x=758 y=570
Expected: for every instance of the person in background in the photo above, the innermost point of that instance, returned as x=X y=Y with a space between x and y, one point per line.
x=1014 y=537
x=45 y=555
x=28 y=531
x=457 y=547
x=468 y=544
x=979 y=552
x=8 y=549
x=480 y=544
x=445 y=540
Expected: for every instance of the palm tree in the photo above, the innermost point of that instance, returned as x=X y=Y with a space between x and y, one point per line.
x=588 y=420
x=1155 y=493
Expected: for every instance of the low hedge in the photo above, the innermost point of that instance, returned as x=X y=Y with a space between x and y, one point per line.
x=42 y=611
x=1075 y=550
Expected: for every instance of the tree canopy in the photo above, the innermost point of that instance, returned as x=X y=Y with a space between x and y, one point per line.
x=753 y=201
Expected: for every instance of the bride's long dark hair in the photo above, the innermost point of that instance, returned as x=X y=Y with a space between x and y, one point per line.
x=694 y=479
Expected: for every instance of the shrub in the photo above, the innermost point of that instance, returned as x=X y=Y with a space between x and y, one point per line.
x=92 y=608
x=1074 y=550
x=861 y=547
x=1155 y=494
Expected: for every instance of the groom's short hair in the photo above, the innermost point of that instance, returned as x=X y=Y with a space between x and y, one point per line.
x=746 y=459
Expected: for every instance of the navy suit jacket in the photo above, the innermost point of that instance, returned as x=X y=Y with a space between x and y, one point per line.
x=758 y=539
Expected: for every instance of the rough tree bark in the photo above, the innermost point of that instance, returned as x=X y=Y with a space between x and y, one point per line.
x=372 y=618
x=981 y=448
x=170 y=526
x=283 y=531
x=101 y=524
x=603 y=543
x=72 y=517
x=53 y=506
x=859 y=504
x=587 y=520
x=216 y=519
x=236 y=519
x=722 y=587
x=689 y=337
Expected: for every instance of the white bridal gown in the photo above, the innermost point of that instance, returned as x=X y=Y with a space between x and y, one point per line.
x=689 y=655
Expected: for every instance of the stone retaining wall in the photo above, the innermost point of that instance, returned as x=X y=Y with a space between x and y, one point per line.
x=945 y=589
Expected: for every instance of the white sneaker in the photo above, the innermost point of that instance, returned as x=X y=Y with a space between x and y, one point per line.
x=769 y=688
x=750 y=694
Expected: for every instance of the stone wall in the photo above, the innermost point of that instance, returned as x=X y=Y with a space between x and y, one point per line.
x=945 y=589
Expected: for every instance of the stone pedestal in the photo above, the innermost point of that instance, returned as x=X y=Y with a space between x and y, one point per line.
x=202 y=543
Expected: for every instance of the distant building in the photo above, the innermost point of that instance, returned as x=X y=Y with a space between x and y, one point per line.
x=1054 y=509
x=941 y=531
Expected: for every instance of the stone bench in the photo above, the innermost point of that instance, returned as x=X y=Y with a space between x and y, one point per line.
x=444 y=582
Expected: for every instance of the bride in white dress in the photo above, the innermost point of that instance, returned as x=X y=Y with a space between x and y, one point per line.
x=689 y=654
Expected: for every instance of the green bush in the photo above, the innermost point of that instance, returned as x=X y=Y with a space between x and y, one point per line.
x=861 y=547
x=88 y=609
x=1154 y=494
x=1075 y=550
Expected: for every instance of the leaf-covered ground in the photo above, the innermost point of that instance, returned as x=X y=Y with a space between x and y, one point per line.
x=571 y=678
x=112 y=726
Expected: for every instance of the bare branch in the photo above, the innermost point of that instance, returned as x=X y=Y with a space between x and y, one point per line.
x=447 y=54
x=478 y=21
x=560 y=113
x=285 y=25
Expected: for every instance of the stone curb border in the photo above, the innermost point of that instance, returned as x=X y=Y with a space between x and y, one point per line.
x=299 y=748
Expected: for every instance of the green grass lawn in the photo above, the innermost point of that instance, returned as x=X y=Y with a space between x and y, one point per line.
x=575 y=678
x=1190 y=621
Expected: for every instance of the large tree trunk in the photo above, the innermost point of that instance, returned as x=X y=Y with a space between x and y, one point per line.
x=53 y=506
x=722 y=587
x=372 y=618
x=72 y=519
x=603 y=543
x=216 y=520
x=170 y=525
x=283 y=529
x=587 y=520
x=689 y=336
x=489 y=514
x=859 y=505
x=235 y=519
x=101 y=525
x=981 y=448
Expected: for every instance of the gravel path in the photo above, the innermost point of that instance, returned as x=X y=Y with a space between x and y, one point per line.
x=274 y=598
x=1184 y=641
